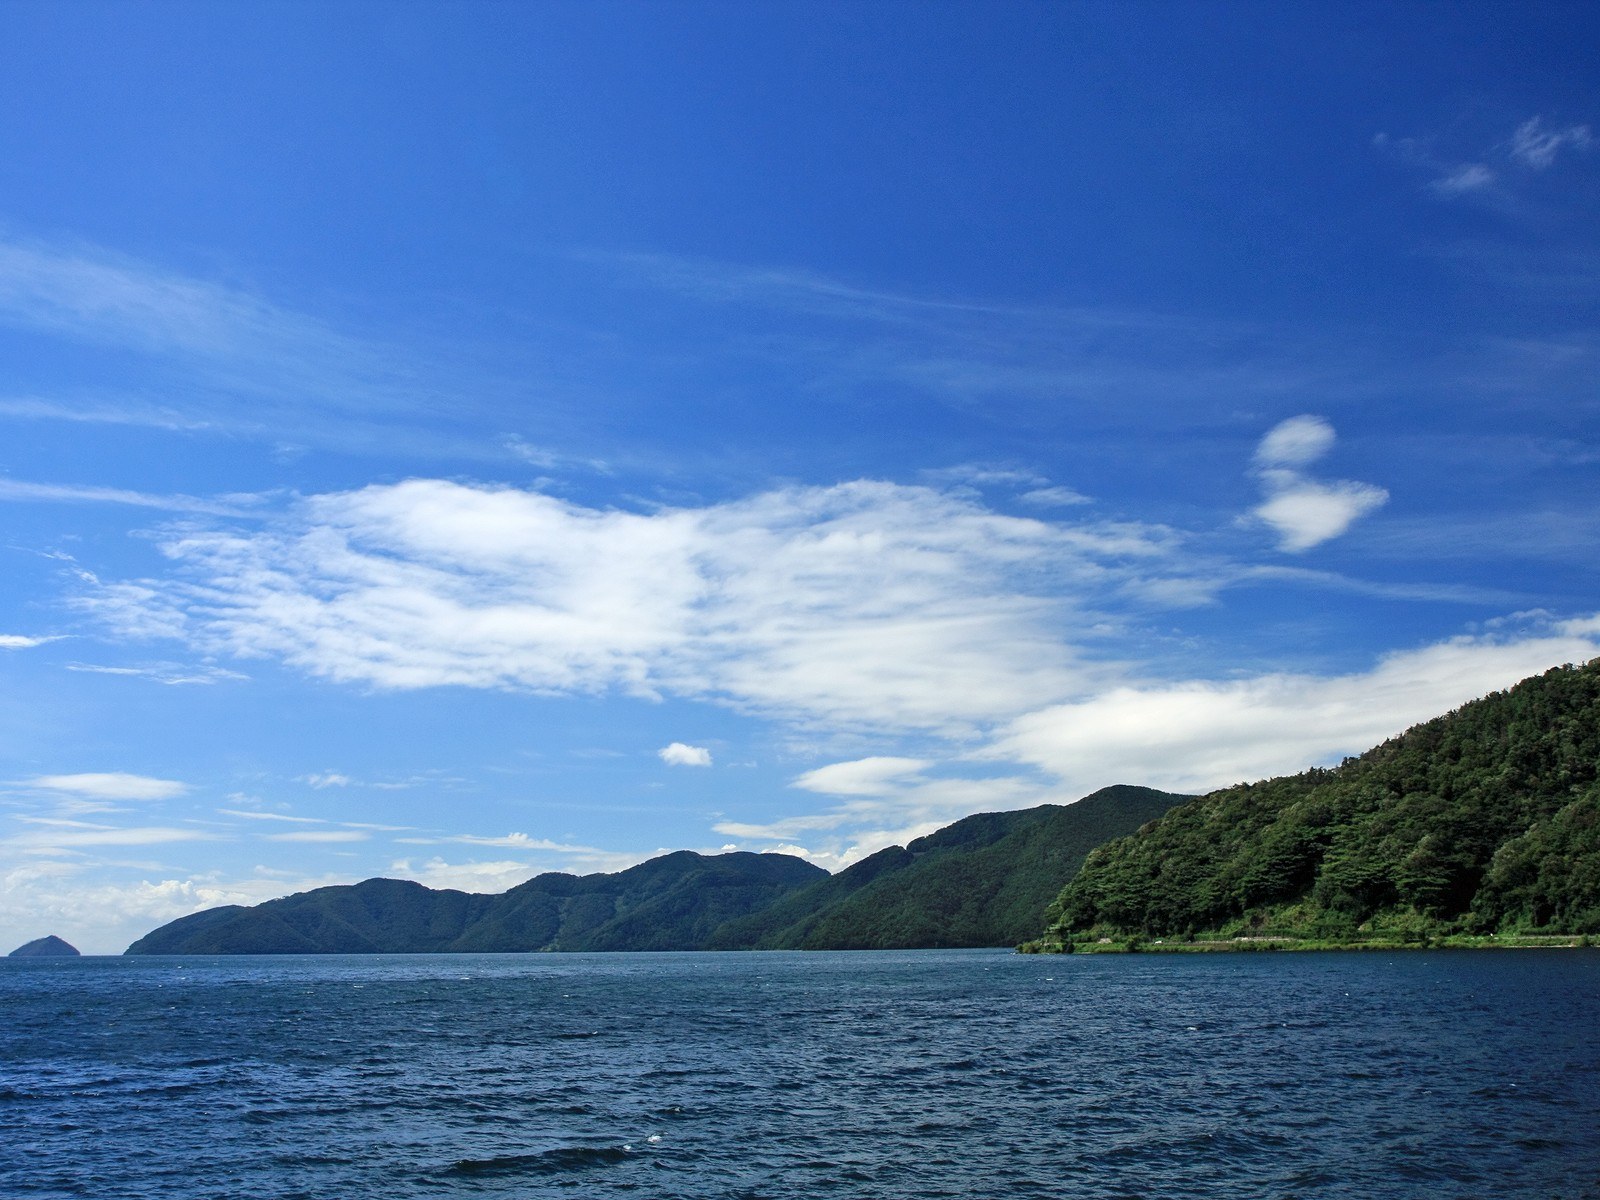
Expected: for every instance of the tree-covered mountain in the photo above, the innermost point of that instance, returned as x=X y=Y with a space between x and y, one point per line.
x=669 y=903
x=983 y=881
x=1483 y=821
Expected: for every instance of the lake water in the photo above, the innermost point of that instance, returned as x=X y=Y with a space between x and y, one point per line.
x=928 y=1074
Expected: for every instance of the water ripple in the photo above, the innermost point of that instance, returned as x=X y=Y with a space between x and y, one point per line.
x=891 y=1076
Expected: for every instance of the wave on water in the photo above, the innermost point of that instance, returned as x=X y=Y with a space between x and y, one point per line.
x=891 y=1076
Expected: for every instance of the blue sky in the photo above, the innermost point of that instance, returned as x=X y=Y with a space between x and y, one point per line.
x=461 y=441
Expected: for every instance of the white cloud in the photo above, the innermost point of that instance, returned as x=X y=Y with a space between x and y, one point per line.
x=1536 y=147
x=266 y=816
x=1304 y=511
x=479 y=877
x=1185 y=736
x=1530 y=146
x=1203 y=734
x=500 y=875
x=102 y=915
x=1468 y=177
x=875 y=776
x=328 y=779
x=679 y=755
x=319 y=835
x=225 y=337
x=885 y=802
x=17 y=641
x=113 y=785
x=53 y=840
x=511 y=841
x=867 y=604
x=60 y=493
x=1054 y=497
x=170 y=674
x=1295 y=442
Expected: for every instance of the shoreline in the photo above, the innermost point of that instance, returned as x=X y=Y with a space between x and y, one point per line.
x=1258 y=944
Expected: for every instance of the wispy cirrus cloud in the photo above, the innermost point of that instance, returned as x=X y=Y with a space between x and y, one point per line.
x=53 y=841
x=1531 y=147
x=227 y=359
x=1535 y=146
x=63 y=493
x=1096 y=359
x=168 y=673
x=230 y=337
x=22 y=641
x=109 y=785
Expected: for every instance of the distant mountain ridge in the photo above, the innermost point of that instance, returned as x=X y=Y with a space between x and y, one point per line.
x=669 y=903
x=1483 y=822
x=983 y=881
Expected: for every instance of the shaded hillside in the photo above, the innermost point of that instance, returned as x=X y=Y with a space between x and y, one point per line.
x=1483 y=821
x=49 y=946
x=669 y=903
x=983 y=881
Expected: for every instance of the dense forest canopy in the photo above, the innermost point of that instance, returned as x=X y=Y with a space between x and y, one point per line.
x=1483 y=821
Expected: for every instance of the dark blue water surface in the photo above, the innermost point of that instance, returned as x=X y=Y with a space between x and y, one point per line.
x=975 y=1074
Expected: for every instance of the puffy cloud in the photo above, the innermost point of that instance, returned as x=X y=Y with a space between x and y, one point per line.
x=680 y=755
x=101 y=915
x=1184 y=736
x=1203 y=734
x=1296 y=442
x=113 y=785
x=1307 y=513
x=498 y=875
x=868 y=604
x=1304 y=511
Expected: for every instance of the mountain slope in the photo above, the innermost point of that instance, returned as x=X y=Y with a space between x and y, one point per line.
x=983 y=881
x=49 y=946
x=1486 y=820
x=668 y=903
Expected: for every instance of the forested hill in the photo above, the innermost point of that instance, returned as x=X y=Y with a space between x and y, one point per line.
x=1484 y=821
x=669 y=903
x=983 y=881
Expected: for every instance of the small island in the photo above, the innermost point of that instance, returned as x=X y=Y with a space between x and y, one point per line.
x=46 y=947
